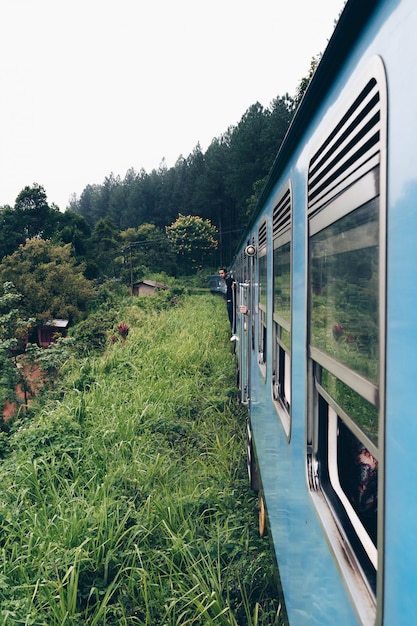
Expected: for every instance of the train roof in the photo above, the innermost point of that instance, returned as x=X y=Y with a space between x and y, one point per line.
x=350 y=24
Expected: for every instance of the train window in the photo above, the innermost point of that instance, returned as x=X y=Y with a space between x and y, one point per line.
x=262 y=302
x=346 y=227
x=281 y=357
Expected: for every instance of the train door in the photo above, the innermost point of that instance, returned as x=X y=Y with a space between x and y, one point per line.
x=262 y=277
x=245 y=322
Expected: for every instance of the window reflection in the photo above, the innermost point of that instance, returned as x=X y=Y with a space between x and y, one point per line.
x=282 y=281
x=345 y=293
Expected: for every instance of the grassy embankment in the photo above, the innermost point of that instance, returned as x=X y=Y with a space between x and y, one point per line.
x=126 y=501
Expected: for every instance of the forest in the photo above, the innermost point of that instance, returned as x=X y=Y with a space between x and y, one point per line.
x=220 y=185
x=183 y=221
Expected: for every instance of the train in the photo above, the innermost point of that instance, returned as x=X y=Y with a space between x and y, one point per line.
x=326 y=317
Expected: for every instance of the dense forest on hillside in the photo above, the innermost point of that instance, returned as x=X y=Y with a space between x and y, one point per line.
x=219 y=185
x=177 y=221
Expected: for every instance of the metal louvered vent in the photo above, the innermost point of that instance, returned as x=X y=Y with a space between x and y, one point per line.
x=349 y=152
x=281 y=219
x=262 y=235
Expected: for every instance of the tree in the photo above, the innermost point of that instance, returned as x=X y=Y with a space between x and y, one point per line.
x=252 y=201
x=11 y=235
x=106 y=247
x=193 y=239
x=146 y=249
x=36 y=217
x=304 y=82
x=49 y=279
x=13 y=332
x=30 y=217
x=74 y=229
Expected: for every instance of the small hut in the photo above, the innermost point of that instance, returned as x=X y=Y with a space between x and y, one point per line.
x=48 y=332
x=147 y=288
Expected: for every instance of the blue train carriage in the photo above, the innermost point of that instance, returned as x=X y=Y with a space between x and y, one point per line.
x=327 y=332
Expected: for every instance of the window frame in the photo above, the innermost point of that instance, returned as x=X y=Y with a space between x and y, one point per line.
x=281 y=351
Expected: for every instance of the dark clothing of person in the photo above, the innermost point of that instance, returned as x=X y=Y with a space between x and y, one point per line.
x=230 y=301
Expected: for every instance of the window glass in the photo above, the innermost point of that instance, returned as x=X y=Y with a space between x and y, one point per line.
x=282 y=281
x=262 y=281
x=285 y=338
x=345 y=290
x=281 y=385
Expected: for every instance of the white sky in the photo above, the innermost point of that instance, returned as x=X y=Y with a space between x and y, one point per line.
x=90 y=87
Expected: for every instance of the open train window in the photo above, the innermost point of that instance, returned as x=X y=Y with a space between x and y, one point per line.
x=262 y=302
x=281 y=331
x=346 y=332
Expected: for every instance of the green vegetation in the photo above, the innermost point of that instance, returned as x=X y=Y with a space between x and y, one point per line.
x=221 y=185
x=193 y=239
x=124 y=496
x=50 y=280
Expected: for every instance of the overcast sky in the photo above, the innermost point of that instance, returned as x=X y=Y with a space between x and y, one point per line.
x=90 y=87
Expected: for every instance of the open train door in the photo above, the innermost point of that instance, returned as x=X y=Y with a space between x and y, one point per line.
x=245 y=324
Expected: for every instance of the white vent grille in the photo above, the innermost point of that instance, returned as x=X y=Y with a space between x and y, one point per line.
x=349 y=152
x=281 y=220
x=262 y=235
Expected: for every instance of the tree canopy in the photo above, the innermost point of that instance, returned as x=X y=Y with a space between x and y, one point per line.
x=193 y=239
x=50 y=280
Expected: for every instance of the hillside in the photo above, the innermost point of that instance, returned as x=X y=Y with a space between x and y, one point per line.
x=124 y=497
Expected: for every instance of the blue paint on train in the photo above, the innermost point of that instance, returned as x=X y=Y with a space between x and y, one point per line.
x=326 y=355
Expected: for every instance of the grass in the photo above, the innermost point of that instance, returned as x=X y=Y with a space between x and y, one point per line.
x=125 y=501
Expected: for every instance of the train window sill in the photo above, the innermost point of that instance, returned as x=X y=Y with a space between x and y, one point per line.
x=262 y=366
x=283 y=414
x=355 y=581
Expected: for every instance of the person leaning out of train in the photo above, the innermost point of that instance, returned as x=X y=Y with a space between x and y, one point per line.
x=230 y=300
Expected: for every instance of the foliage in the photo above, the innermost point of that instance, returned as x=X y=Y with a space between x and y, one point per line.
x=305 y=81
x=108 y=218
x=251 y=202
x=106 y=241
x=126 y=502
x=193 y=239
x=214 y=185
x=30 y=217
x=146 y=249
x=49 y=279
x=13 y=334
x=74 y=229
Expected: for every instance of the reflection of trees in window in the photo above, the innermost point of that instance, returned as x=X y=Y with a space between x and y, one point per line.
x=345 y=294
x=262 y=281
x=282 y=281
x=281 y=386
x=360 y=410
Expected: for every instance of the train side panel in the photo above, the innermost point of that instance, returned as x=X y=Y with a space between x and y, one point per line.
x=328 y=574
x=401 y=414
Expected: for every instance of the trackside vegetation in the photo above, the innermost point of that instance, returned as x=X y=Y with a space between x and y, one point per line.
x=124 y=496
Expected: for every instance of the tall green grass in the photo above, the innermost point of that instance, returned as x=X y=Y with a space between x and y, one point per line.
x=126 y=501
